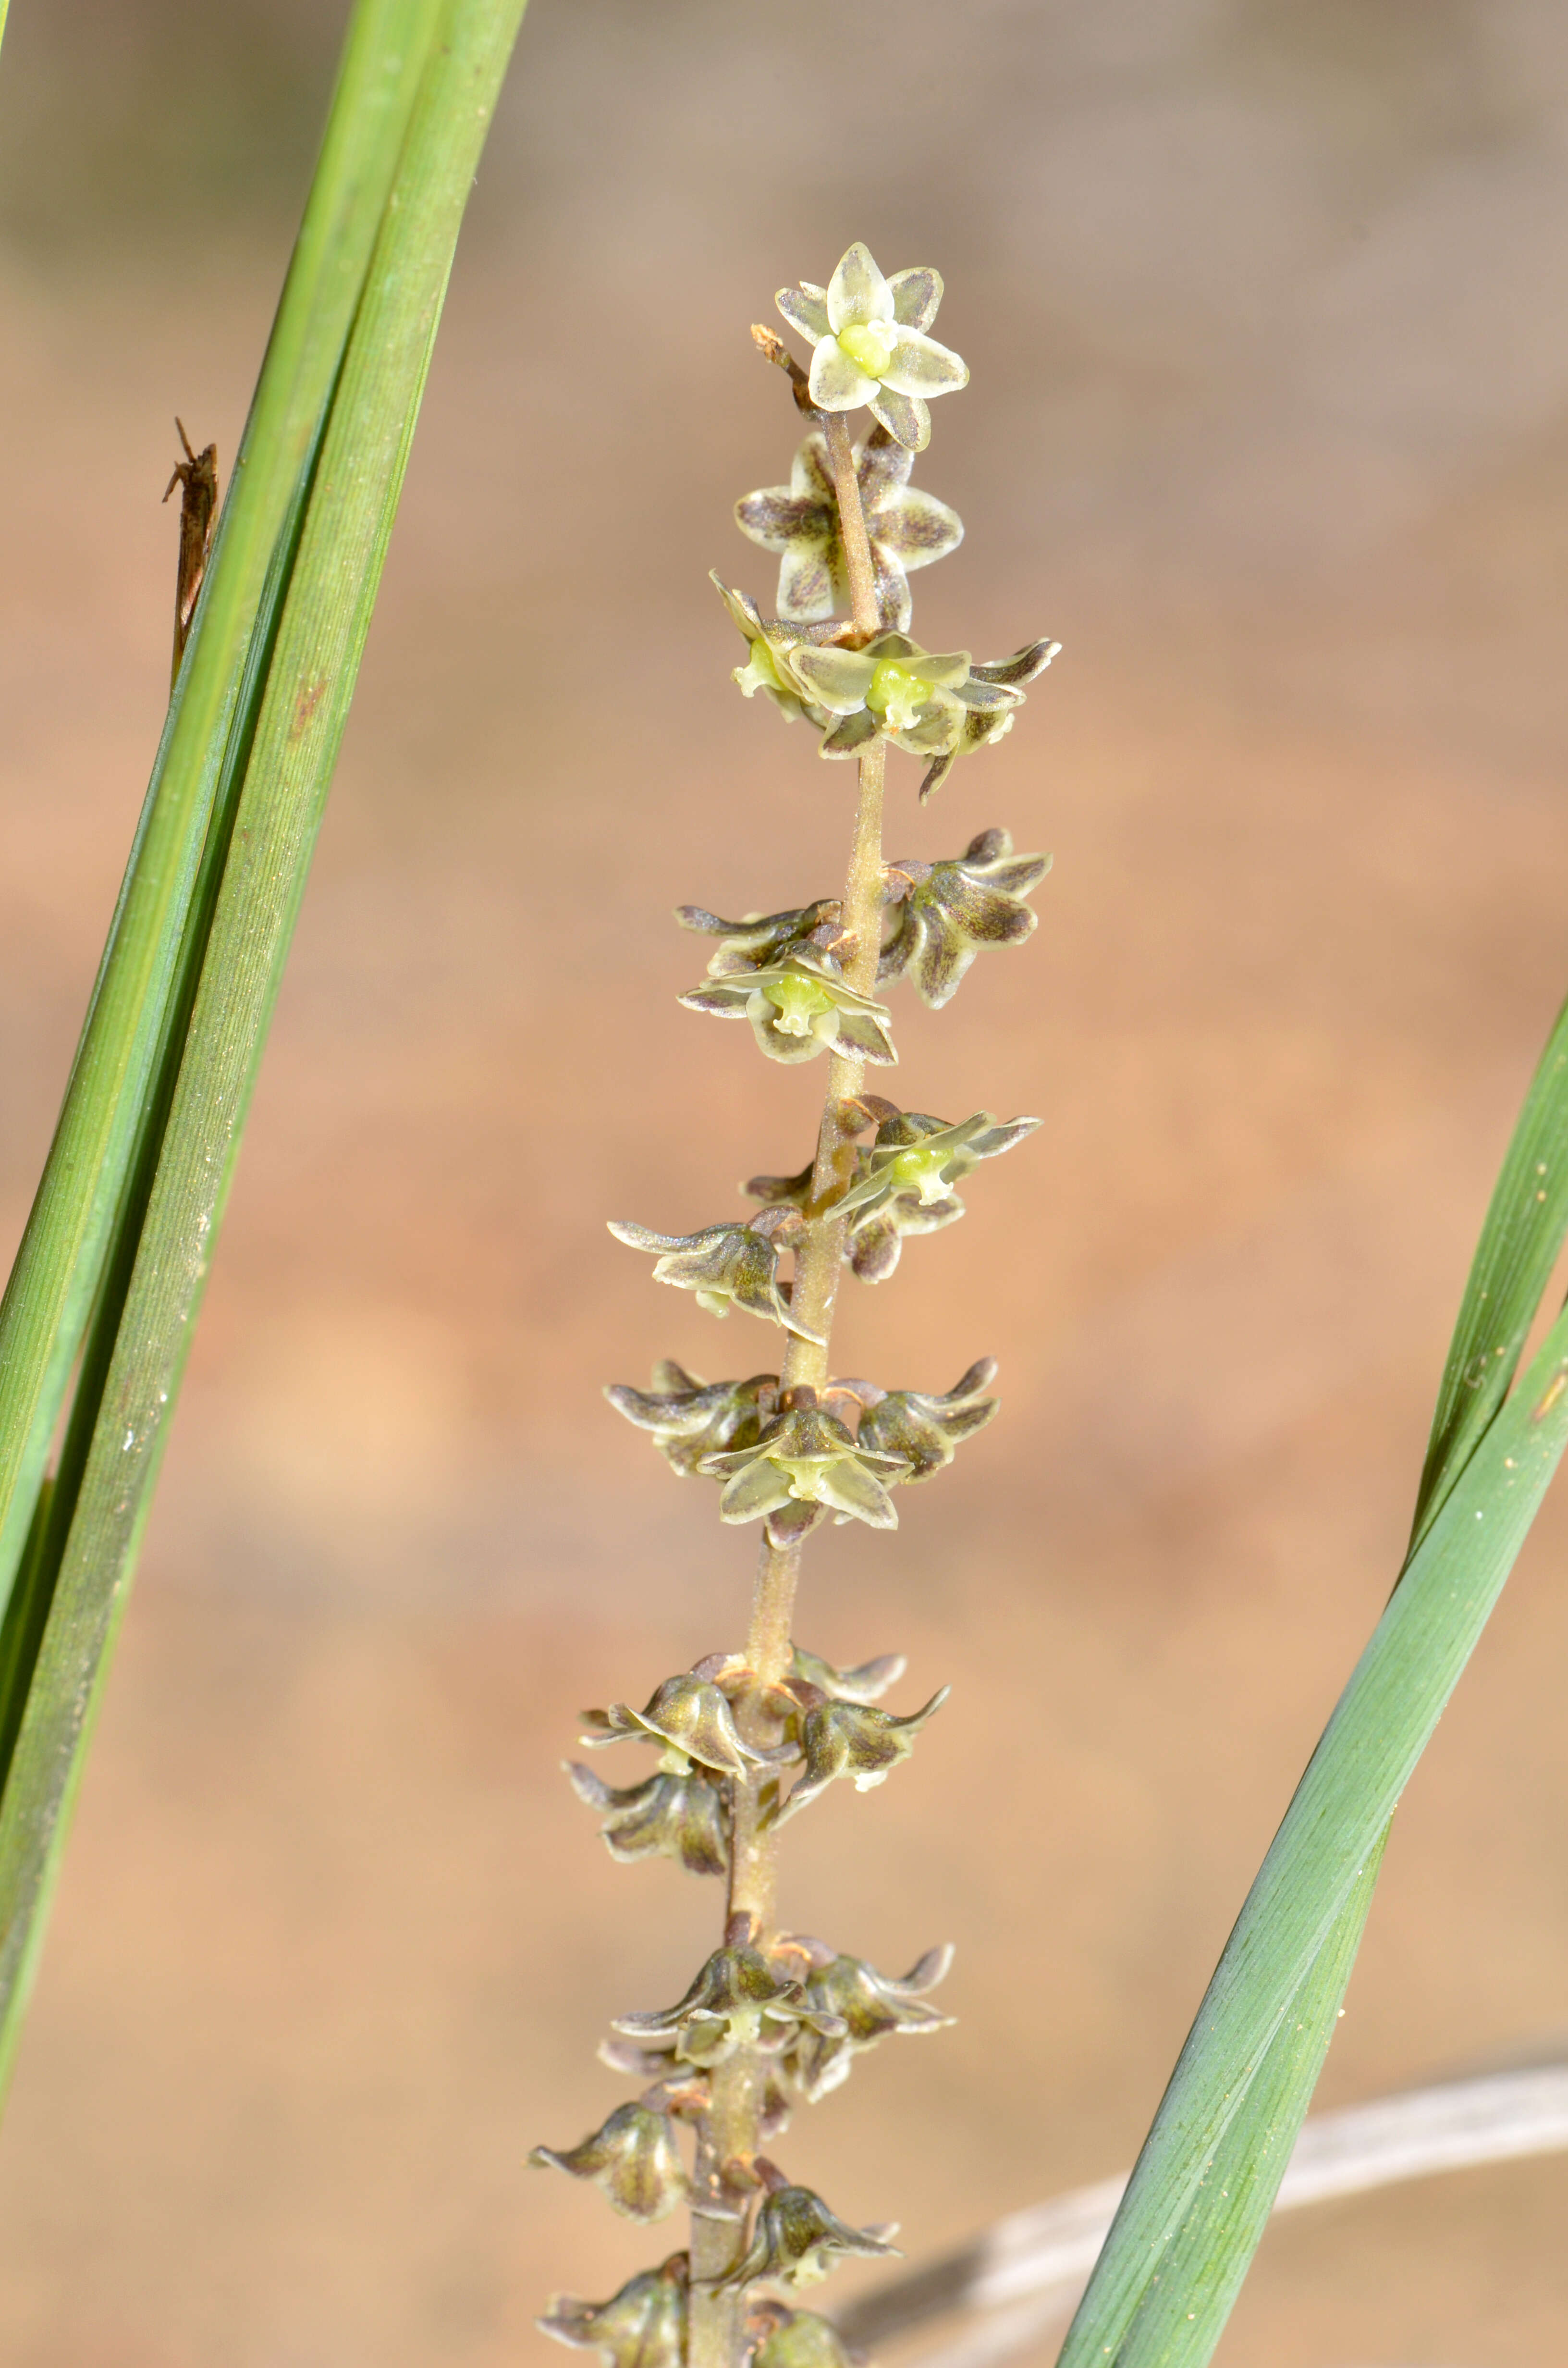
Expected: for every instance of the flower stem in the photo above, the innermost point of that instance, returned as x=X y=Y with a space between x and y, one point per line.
x=734 y=2133
x=852 y=525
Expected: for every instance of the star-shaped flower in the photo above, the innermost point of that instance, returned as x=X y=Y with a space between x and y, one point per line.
x=806 y=1464
x=841 y=1738
x=761 y=940
x=643 y=2325
x=869 y=344
x=798 y=2240
x=689 y=1716
x=737 y=2000
x=893 y=686
x=906 y=526
x=927 y=1430
x=924 y=1157
x=725 y=1265
x=871 y=2006
x=633 y=2158
x=690 y=1419
x=678 y=1816
x=948 y=911
x=944 y=734
x=873 y=1243
x=799 y=1008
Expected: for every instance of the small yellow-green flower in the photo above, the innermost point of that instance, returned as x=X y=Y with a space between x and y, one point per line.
x=805 y=1465
x=768 y=647
x=869 y=344
x=935 y=705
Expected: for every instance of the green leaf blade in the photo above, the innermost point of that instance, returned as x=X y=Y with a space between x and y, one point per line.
x=279 y=752
x=1331 y=1835
x=67 y=1243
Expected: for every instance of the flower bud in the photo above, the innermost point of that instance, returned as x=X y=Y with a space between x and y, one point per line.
x=782 y=2338
x=643 y=2325
x=798 y=2239
x=633 y=2158
x=871 y=2006
x=690 y=1419
x=840 y=1738
x=725 y=1265
x=926 y=1431
x=688 y=1715
x=681 y=1817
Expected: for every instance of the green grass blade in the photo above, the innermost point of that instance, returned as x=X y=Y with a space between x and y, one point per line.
x=1204 y=2263
x=61 y=1265
x=1205 y=2182
x=60 y=1624
x=1520 y=1243
x=1209 y=2257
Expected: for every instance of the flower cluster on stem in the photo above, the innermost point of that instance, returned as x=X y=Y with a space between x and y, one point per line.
x=749 y=1737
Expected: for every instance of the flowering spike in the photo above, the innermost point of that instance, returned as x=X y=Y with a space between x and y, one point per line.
x=770 y=2020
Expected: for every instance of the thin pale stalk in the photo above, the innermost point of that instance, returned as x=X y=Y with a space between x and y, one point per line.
x=734 y=2135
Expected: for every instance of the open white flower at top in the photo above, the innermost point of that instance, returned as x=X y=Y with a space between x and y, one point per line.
x=869 y=342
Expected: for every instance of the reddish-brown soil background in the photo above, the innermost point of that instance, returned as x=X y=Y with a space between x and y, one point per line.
x=1266 y=305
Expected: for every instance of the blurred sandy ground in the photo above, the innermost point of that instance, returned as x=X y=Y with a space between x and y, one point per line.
x=1268 y=312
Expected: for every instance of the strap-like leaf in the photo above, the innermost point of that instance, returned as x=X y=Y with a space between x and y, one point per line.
x=422 y=75
x=1204 y=2183
x=134 y=1009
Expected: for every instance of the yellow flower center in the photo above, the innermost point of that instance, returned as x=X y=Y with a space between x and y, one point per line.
x=896 y=695
x=798 y=1001
x=759 y=673
x=869 y=345
x=806 y=1477
x=918 y=1171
